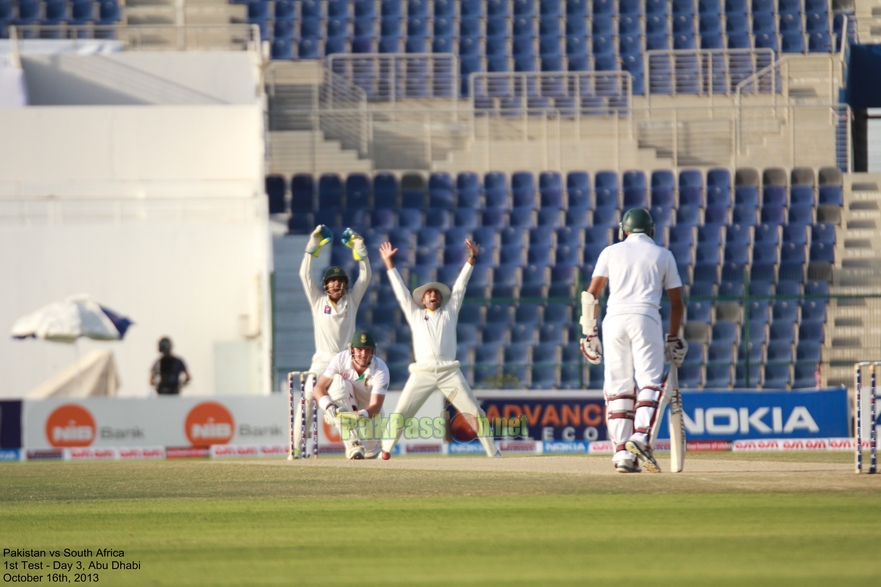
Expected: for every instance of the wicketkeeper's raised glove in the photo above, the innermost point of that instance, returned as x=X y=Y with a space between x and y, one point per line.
x=319 y=237
x=675 y=349
x=592 y=348
x=355 y=241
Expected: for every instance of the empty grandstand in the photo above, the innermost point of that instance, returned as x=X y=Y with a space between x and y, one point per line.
x=531 y=126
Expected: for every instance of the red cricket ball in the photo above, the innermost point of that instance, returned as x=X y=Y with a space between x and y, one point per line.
x=464 y=427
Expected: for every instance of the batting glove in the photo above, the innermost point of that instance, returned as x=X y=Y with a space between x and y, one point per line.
x=675 y=349
x=355 y=241
x=319 y=237
x=592 y=348
x=331 y=414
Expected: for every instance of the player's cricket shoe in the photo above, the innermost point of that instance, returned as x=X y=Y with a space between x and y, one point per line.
x=644 y=454
x=373 y=454
x=354 y=450
x=627 y=466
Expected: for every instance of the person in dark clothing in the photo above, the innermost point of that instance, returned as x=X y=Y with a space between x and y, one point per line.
x=169 y=373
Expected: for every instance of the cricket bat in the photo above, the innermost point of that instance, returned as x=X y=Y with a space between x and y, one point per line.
x=673 y=397
x=676 y=422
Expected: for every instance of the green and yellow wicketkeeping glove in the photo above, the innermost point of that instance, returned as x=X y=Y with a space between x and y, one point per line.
x=355 y=241
x=320 y=237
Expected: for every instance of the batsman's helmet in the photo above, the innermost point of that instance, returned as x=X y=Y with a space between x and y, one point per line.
x=334 y=273
x=164 y=345
x=637 y=220
x=363 y=340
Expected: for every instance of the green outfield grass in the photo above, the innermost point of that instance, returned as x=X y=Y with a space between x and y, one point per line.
x=259 y=523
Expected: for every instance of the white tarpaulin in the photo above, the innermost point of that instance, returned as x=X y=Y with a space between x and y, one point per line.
x=92 y=375
x=67 y=320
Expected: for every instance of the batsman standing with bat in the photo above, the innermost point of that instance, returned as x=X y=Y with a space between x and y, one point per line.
x=638 y=272
x=432 y=312
x=334 y=305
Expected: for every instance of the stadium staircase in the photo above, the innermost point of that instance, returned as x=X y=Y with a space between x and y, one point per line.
x=854 y=319
x=293 y=89
x=182 y=12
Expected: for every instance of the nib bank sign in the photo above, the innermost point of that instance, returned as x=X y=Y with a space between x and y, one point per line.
x=209 y=423
x=735 y=415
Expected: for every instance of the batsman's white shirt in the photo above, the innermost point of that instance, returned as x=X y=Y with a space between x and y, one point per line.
x=334 y=324
x=639 y=271
x=374 y=380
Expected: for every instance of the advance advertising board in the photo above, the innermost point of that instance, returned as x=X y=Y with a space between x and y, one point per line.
x=737 y=415
x=550 y=415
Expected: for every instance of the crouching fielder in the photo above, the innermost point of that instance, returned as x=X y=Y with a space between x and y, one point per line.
x=432 y=313
x=637 y=271
x=352 y=387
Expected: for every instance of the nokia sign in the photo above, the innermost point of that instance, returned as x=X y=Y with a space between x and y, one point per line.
x=735 y=415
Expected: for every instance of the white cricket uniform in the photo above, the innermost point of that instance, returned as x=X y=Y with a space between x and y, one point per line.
x=334 y=324
x=434 y=347
x=639 y=271
x=356 y=390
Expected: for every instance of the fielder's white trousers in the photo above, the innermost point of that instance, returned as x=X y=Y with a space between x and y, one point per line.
x=633 y=354
x=443 y=376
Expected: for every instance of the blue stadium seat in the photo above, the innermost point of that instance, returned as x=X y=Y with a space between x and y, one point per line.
x=688 y=216
x=813 y=310
x=552 y=333
x=275 y=191
x=801 y=214
x=819 y=42
x=725 y=331
x=578 y=190
x=330 y=192
x=718 y=376
x=774 y=195
x=691 y=188
x=824 y=252
x=523 y=191
x=823 y=233
x=746 y=195
x=767 y=234
x=302 y=193
x=705 y=272
x=792 y=42
x=777 y=376
x=682 y=234
x=606 y=189
x=428 y=245
x=385 y=190
x=698 y=311
x=802 y=194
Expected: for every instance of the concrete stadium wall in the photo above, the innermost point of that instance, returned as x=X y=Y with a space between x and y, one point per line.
x=201 y=283
x=132 y=151
x=141 y=78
